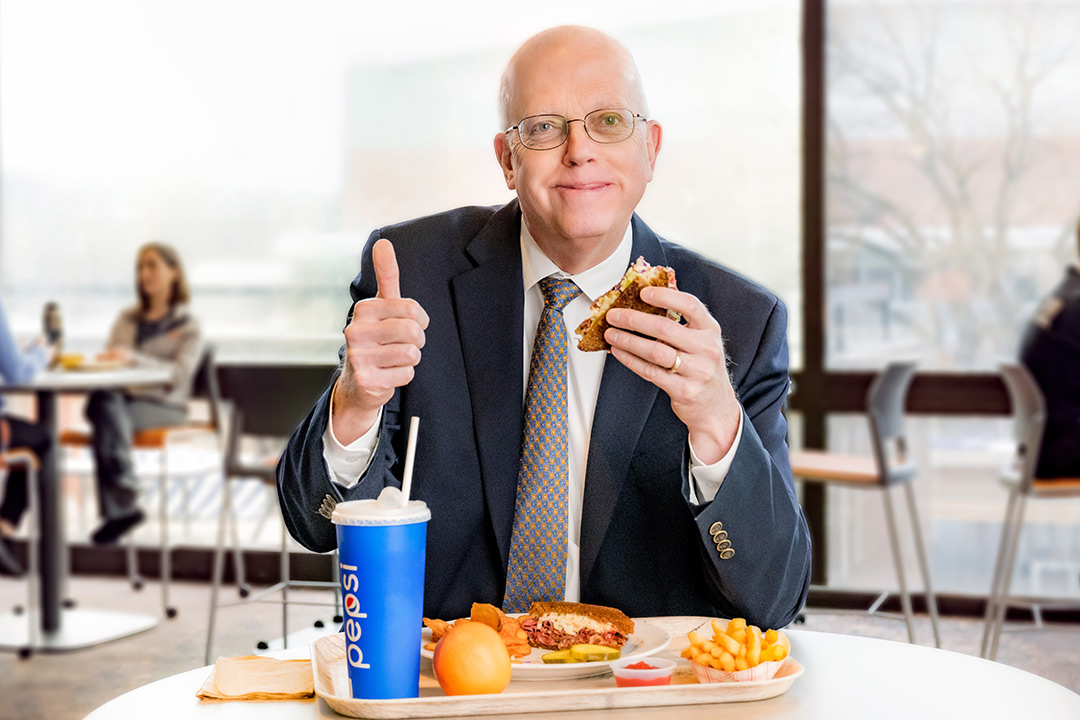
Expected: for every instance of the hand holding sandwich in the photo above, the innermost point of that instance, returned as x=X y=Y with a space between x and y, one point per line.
x=698 y=385
x=382 y=346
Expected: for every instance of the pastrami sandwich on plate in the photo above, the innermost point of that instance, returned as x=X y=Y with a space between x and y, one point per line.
x=626 y=294
x=559 y=625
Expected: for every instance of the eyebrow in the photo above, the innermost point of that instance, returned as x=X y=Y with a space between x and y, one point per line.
x=601 y=106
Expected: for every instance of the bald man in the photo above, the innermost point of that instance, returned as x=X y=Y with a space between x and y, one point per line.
x=664 y=487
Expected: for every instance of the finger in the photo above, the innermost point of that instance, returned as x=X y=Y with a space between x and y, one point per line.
x=387 y=332
x=659 y=327
x=375 y=309
x=649 y=350
x=687 y=305
x=651 y=372
x=375 y=381
x=383 y=367
x=386 y=270
x=387 y=357
x=703 y=347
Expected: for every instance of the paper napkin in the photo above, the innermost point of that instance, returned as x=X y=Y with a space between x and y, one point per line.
x=252 y=677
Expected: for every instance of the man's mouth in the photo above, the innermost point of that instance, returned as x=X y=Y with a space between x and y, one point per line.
x=583 y=186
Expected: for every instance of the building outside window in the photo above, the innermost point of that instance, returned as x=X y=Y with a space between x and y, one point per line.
x=953 y=169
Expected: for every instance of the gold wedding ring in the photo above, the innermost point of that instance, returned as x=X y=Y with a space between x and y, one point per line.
x=675 y=365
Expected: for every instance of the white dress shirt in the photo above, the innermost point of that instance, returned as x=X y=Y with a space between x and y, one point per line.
x=584 y=370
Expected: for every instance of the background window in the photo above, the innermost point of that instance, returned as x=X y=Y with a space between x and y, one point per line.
x=266 y=141
x=953 y=172
x=953 y=167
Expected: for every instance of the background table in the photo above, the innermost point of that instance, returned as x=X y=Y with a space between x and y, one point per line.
x=845 y=677
x=69 y=629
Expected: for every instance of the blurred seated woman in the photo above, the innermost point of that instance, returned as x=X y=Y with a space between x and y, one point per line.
x=158 y=331
x=17 y=366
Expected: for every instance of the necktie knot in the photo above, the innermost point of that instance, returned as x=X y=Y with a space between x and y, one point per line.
x=558 y=292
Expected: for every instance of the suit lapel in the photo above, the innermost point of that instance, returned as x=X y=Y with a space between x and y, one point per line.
x=489 y=308
x=622 y=406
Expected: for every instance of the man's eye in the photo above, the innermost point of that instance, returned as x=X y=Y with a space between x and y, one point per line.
x=542 y=129
x=611 y=119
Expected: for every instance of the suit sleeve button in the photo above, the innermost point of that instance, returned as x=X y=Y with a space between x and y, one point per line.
x=716 y=527
x=727 y=554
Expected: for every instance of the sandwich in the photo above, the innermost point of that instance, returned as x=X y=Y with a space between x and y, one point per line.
x=559 y=625
x=626 y=294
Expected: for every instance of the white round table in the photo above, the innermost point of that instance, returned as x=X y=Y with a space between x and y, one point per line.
x=63 y=628
x=845 y=677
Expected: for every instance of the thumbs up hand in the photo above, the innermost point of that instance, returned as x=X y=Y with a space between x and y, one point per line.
x=383 y=342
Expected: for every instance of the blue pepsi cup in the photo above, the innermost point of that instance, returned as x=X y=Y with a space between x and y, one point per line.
x=381 y=547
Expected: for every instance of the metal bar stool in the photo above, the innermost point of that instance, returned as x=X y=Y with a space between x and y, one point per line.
x=889 y=466
x=1029 y=419
x=204 y=387
x=26 y=458
x=265 y=407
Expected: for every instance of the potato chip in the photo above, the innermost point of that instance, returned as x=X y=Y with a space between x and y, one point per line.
x=438 y=628
x=509 y=629
x=487 y=614
x=515 y=639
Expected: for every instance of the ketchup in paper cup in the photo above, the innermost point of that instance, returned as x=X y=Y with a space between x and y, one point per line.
x=632 y=672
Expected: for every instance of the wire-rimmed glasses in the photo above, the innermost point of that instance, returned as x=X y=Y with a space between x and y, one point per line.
x=547 y=132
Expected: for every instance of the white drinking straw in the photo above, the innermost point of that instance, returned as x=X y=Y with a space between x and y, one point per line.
x=410 y=454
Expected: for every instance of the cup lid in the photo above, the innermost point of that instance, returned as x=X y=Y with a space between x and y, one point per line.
x=387 y=510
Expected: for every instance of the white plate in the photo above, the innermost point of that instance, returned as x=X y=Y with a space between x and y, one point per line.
x=646 y=640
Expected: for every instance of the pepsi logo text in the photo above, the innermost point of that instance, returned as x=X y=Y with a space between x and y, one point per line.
x=350 y=583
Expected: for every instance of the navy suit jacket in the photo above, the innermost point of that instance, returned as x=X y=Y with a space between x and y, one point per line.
x=1051 y=350
x=644 y=548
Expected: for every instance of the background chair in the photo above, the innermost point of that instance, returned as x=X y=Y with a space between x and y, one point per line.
x=889 y=466
x=10 y=457
x=204 y=388
x=1029 y=419
x=263 y=407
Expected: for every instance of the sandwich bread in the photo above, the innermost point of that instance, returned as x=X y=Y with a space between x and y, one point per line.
x=626 y=294
x=559 y=625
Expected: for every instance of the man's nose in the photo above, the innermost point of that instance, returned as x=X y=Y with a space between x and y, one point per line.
x=580 y=148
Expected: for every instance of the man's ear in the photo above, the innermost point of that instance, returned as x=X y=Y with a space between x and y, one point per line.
x=505 y=158
x=654 y=138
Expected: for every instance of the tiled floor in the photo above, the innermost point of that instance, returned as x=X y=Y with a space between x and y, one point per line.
x=65 y=686
x=70 y=685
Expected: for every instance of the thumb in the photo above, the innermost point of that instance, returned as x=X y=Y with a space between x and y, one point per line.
x=386 y=270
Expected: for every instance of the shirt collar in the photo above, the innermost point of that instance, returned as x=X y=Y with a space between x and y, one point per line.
x=594 y=282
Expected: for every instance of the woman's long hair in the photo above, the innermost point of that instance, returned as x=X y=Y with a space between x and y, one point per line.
x=180 y=292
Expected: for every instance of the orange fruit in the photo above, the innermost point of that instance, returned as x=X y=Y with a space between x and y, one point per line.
x=471 y=659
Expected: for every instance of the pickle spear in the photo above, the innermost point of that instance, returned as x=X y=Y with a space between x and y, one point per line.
x=559 y=656
x=594 y=653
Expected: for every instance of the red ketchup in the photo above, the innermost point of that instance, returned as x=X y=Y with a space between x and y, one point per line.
x=641 y=682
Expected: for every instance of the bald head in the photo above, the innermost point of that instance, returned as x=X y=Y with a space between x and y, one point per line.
x=567 y=40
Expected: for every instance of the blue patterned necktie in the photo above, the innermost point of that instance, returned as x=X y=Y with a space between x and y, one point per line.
x=537 y=564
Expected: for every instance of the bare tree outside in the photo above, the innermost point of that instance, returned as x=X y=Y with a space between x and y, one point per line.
x=953 y=175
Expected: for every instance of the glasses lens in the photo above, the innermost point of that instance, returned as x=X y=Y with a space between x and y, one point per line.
x=611 y=125
x=542 y=132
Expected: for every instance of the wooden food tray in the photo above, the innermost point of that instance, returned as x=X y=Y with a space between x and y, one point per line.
x=592 y=693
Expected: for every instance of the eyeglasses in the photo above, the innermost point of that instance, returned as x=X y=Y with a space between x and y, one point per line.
x=547 y=132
